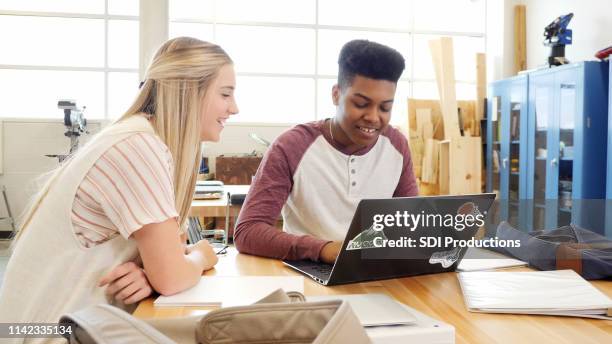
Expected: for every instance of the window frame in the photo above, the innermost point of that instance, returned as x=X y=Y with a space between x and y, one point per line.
x=106 y=17
x=214 y=21
x=162 y=6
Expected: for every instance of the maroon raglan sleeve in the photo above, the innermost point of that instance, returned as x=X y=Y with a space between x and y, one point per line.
x=255 y=232
x=407 y=185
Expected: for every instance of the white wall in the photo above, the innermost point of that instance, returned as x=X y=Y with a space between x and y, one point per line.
x=235 y=140
x=591 y=26
x=500 y=39
x=24 y=144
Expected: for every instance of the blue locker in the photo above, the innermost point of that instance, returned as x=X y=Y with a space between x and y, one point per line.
x=608 y=231
x=609 y=169
x=561 y=146
x=506 y=151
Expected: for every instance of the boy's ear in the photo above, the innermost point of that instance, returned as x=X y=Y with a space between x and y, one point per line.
x=336 y=94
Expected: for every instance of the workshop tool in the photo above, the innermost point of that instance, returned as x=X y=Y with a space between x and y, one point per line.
x=557 y=36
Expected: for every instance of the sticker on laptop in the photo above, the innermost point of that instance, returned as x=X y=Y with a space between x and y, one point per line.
x=469 y=208
x=445 y=258
x=365 y=239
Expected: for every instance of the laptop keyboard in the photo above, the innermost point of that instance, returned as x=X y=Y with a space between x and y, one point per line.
x=321 y=271
x=317 y=270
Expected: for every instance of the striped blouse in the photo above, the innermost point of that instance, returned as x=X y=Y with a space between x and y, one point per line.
x=130 y=186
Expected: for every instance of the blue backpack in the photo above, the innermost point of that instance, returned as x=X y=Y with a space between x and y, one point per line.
x=568 y=247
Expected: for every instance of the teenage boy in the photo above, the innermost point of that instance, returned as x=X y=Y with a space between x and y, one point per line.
x=316 y=173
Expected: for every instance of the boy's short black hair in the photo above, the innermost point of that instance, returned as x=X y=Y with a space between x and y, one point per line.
x=369 y=59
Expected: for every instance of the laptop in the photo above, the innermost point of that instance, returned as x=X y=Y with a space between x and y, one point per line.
x=406 y=244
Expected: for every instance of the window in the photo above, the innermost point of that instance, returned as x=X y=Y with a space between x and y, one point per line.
x=285 y=51
x=81 y=50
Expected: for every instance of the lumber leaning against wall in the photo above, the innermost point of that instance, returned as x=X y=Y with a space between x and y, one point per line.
x=442 y=56
x=460 y=161
x=467 y=109
x=520 y=39
x=425 y=122
x=481 y=90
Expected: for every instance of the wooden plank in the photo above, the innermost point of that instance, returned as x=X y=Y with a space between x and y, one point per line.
x=444 y=168
x=436 y=114
x=466 y=166
x=416 y=152
x=426 y=189
x=468 y=113
x=428 y=131
x=481 y=90
x=468 y=108
x=429 y=171
x=423 y=116
x=442 y=56
x=520 y=39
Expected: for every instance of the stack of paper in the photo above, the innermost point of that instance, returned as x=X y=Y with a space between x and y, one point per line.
x=476 y=259
x=229 y=291
x=561 y=292
x=208 y=190
x=373 y=309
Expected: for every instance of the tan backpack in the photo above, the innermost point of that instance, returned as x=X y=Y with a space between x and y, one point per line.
x=278 y=318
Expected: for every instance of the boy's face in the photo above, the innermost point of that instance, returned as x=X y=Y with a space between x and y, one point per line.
x=364 y=108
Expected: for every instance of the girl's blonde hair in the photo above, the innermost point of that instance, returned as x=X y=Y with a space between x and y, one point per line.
x=171 y=96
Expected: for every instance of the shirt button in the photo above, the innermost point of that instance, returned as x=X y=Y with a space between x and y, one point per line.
x=352 y=159
x=353 y=171
x=354 y=183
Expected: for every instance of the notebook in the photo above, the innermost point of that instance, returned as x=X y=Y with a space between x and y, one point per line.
x=227 y=291
x=477 y=259
x=559 y=292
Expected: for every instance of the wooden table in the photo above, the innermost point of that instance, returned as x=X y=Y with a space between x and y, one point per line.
x=436 y=295
x=218 y=207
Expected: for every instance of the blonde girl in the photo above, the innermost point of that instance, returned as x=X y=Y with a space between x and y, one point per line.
x=125 y=195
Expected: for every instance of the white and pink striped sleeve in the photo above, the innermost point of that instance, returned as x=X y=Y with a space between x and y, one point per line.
x=132 y=183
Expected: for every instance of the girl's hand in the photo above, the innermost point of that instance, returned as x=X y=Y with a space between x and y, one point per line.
x=207 y=251
x=127 y=283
